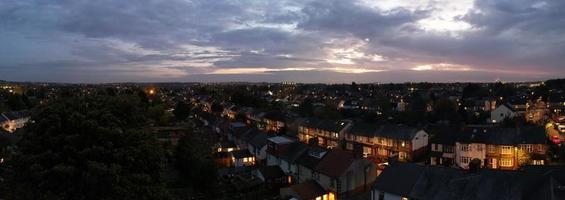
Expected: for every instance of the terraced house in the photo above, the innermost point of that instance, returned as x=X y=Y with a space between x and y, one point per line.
x=381 y=142
x=273 y=122
x=501 y=148
x=328 y=133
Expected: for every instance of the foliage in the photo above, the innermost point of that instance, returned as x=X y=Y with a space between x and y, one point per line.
x=182 y=110
x=195 y=166
x=87 y=148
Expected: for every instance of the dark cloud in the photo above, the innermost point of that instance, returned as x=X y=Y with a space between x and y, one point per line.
x=139 y=40
x=348 y=17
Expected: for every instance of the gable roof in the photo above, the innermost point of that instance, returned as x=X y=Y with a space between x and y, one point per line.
x=502 y=136
x=335 y=162
x=308 y=159
x=271 y=172
x=397 y=131
x=275 y=116
x=327 y=125
x=363 y=129
x=399 y=178
x=293 y=152
x=443 y=134
x=260 y=140
x=443 y=183
x=308 y=190
x=280 y=140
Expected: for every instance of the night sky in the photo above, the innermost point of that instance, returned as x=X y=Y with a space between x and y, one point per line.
x=327 y=41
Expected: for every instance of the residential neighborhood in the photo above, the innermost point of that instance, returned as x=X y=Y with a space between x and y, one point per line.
x=358 y=141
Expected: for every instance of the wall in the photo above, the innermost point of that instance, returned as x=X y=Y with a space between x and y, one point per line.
x=420 y=140
x=476 y=151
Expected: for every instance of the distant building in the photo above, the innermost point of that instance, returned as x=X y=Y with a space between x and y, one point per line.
x=503 y=112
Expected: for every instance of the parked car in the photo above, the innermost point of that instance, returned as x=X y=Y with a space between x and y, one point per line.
x=556 y=139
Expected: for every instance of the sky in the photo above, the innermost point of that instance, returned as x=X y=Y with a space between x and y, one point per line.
x=311 y=41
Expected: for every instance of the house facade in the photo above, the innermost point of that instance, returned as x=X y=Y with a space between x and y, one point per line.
x=502 y=112
x=501 y=148
x=328 y=133
x=386 y=141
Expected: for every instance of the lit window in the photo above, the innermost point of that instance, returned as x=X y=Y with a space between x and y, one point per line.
x=402 y=155
x=331 y=196
x=506 y=149
x=403 y=144
x=506 y=162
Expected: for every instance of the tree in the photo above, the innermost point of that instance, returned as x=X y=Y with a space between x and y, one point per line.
x=306 y=108
x=16 y=102
x=86 y=148
x=472 y=90
x=158 y=115
x=182 y=110
x=216 y=107
x=194 y=164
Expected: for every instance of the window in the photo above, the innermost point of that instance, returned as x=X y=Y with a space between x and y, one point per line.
x=538 y=162
x=491 y=148
x=465 y=160
x=360 y=139
x=479 y=147
x=382 y=151
x=526 y=148
x=349 y=146
x=402 y=155
x=506 y=149
x=434 y=148
x=448 y=149
x=336 y=135
x=367 y=150
x=506 y=162
x=465 y=147
x=493 y=163
x=403 y=144
x=389 y=142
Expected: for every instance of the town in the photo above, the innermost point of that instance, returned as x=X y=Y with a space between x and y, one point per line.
x=372 y=141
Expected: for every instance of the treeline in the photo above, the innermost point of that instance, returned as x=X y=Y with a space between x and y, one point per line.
x=86 y=148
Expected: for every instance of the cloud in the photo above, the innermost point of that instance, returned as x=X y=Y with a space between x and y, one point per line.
x=328 y=40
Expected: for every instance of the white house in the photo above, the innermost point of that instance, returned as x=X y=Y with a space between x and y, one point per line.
x=502 y=112
x=10 y=121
